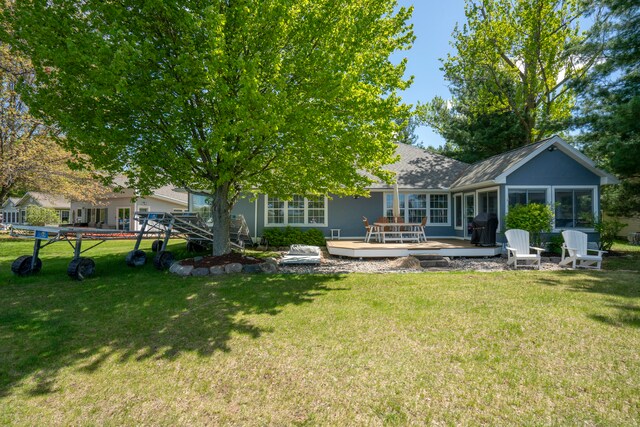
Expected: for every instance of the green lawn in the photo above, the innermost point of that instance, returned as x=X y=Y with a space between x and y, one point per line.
x=137 y=346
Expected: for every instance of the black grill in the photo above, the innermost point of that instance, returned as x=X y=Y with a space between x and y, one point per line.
x=484 y=228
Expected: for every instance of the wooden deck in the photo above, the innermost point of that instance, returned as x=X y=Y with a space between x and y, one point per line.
x=443 y=247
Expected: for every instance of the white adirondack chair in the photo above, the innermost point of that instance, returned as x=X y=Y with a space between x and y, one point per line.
x=575 y=251
x=518 y=249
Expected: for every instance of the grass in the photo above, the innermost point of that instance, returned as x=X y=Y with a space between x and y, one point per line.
x=138 y=346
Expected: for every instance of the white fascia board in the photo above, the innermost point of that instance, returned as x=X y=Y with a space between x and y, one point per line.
x=483 y=184
x=161 y=197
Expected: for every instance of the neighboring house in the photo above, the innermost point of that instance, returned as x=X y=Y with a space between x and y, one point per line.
x=447 y=192
x=58 y=203
x=10 y=213
x=116 y=210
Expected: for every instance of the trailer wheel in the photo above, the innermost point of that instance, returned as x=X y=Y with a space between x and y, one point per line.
x=156 y=246
x=163 y=260
x=136 y=258
x=194 y=247
x=81 y=268
x=22 y=265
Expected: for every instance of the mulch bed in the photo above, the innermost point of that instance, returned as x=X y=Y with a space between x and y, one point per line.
x=211 y=261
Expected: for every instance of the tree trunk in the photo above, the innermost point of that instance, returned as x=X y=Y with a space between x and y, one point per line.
x=221 y=212
x=4 y=192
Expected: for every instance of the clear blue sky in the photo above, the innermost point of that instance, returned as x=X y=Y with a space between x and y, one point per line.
x=433 y=22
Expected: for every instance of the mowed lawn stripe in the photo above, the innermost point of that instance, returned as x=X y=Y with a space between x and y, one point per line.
x=137 y=346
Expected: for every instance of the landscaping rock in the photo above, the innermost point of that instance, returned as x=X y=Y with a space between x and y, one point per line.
x=216 y=270
x=234 y=267
x=181 y=270
x=200 y=272
x=251 y=268
x=435 y=263
x=409 y=262
x=269 y=267
x=197 y=259
x=174 y=267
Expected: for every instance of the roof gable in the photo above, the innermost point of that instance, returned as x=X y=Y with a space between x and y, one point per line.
x=495 y=170
x=45 y=200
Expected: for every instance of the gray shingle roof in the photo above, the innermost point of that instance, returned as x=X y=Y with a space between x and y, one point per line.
x=418 y=168
x=489 y=169
x=166 y=191
x=48 y=200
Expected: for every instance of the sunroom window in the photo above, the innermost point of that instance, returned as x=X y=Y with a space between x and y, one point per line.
x=526 y=196
x=574 y=208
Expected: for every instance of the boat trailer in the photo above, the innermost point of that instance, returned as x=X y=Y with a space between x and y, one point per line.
x=159 y=225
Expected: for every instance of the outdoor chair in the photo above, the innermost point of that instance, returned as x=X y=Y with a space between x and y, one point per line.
x=384 y=219
x=576 y=252
x=518 y=249
x=370 y=230
x=423 y=225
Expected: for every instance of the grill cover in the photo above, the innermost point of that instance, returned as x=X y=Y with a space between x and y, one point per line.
x=485 y=226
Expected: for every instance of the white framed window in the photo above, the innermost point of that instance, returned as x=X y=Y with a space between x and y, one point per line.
x=488 y=200
x=300 y=211
x=575 y=207
x=439 y=209
x=457 y=209
x=416 y=206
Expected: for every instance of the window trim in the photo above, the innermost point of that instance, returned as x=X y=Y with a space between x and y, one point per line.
x=385 y=206
x=306 y=222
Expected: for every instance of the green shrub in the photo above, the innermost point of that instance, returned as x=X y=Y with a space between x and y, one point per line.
x=609 y=230
x=293 y=236
x=535 y=218
x=554 y=244
x=41 y=216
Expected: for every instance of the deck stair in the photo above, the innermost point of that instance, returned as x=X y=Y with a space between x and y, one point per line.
x=433 y=261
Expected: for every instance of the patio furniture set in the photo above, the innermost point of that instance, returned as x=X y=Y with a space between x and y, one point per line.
x=384 y=230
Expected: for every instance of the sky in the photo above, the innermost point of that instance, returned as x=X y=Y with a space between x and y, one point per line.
x=433 y=22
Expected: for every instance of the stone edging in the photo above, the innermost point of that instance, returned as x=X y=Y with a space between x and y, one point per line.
x=269 y=266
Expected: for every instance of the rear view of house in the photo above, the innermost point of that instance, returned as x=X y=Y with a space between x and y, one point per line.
x=448 y=193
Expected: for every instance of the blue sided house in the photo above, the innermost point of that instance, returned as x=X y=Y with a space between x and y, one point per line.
x=448 y=193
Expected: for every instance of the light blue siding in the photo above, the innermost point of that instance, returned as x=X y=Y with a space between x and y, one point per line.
x=553 y=168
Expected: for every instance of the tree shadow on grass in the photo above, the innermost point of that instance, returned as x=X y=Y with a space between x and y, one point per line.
x=47 y=325
x=615 y=284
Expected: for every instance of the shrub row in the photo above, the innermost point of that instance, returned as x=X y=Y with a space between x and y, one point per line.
x=293 y=236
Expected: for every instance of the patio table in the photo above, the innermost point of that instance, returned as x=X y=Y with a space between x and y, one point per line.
x=399 y=231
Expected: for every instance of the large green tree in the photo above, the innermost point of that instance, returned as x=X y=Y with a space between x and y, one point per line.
x=509 y=75
x=609 y=113
x=274 y=96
